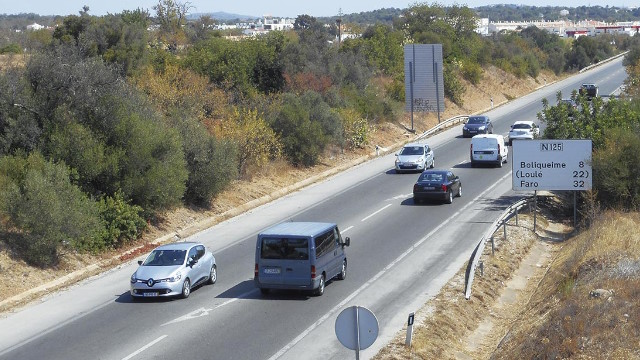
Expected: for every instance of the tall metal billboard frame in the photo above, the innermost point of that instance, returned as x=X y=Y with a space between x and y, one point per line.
x=423 y=78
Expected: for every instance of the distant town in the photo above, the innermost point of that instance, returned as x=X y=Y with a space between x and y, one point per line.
x=562 y=28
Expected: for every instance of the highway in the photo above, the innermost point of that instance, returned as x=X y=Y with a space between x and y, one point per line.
x=400 y=256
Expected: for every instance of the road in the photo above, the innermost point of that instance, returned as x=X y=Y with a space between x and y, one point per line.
x=400 y=256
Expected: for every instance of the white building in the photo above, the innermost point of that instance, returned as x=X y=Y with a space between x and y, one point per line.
x=35 y=26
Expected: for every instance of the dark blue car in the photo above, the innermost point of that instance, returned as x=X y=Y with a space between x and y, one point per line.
x=477 y=124
x=437 y=185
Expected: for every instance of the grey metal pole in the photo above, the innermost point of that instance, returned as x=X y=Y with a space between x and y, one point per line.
x=504 y=226
x=535 y=208
x=357 y=332
x=575 y=210
x=516 y=216
x=411 y=90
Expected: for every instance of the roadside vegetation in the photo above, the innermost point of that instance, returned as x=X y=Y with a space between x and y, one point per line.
x=110 y=122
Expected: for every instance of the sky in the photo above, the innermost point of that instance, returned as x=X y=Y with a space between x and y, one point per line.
x=259 y=8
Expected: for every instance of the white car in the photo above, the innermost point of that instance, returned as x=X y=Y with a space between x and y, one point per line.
x=173 y=270
x=523 y=130
x=415 y=157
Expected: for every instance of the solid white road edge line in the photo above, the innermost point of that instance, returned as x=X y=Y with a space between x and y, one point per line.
x=378 y=275
x=145 y=347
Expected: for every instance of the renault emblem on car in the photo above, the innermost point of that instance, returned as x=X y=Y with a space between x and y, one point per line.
x=150 y=282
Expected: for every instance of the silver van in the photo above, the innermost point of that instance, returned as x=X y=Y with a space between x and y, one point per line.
x=300 y=256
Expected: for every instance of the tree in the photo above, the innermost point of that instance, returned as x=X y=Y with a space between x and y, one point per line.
x=171 y=17
x=302 y=139
x=304 y=22
x=44 y=210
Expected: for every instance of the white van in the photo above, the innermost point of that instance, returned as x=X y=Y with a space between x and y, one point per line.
x=488 y=149
x=300 y=256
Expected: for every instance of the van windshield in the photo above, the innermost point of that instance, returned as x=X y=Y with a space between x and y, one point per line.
x=285 y=248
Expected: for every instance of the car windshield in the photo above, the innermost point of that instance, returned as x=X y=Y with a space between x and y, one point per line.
x=285 y=248
x=165 y=258
x=432 y=177
x=521 y=126
x=476 y=120
x=412 y=150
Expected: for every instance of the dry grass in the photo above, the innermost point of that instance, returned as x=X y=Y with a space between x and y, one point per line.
x=570 y=320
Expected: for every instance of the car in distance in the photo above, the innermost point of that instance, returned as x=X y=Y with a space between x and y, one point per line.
x=172 y=270
x=437 y=185
x=523 y=130
x=477 y=124
x=488 y=149
x=572 y=106
x=415 y=157
x=590 y=90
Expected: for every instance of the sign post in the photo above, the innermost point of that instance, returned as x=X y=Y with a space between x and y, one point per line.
x=409 y=330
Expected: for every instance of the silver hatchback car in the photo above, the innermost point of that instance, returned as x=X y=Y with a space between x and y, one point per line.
x=173 y=270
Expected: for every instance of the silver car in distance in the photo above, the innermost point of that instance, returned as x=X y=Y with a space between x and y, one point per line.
x=173 y=270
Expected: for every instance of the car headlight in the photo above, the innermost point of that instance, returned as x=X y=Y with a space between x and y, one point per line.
x=133 y=278
x=481 y=128
x=397 y=161
x=175 y=277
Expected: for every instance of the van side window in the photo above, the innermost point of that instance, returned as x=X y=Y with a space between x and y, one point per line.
x=324 y=243
x=284 y=248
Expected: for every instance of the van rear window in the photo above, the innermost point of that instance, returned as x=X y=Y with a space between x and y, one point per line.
x=285 y=248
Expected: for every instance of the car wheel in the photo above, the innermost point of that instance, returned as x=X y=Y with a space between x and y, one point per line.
x=460 y=191
x=433 y=163
x=343 y=273
x=264 y=291
x=500 y=162
x=213 y=275
x=320 y=290
x=186 y=288
x=449 y=198
x=510 y=142
x=416 y=200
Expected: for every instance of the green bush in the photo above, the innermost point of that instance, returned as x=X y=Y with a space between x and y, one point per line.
x=11 y=49
x=616 y=174
x=44 y=211
x=124 y=222
x=472 y=72
x=211 y=163
x=302 y=139
x=453 y=87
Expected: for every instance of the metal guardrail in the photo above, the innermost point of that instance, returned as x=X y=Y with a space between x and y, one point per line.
x=488 y=235
x=602 y=62
x=445 y=124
